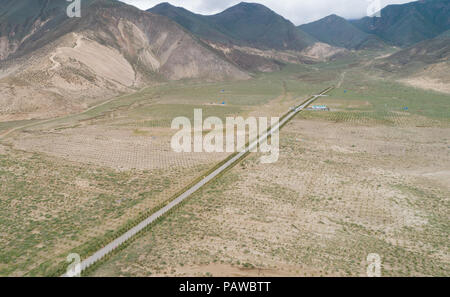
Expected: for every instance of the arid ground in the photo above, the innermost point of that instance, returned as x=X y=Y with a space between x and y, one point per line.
x=369 y=176
x=350 y=182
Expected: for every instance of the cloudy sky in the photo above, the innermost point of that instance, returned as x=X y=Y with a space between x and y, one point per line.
x=298 y=11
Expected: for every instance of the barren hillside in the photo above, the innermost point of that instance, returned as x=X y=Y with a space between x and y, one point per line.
x=424 y=65
x=112 y=48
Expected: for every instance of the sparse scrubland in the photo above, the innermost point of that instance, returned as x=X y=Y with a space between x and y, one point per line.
x=370 y=176
x=367 y=177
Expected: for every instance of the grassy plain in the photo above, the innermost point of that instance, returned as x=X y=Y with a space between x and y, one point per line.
x=70 y=184
x=368 y=176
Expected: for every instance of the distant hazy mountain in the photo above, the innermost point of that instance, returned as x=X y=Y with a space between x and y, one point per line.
x=243 y=24
x=337 y=31
x=57 y=64
x=410 y=23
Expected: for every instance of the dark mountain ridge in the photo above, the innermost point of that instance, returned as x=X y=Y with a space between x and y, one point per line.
x=246 y=24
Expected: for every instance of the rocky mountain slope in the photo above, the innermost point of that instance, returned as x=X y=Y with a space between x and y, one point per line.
x=425 y=65
x=251 y=35
x=21 y=20
x=245 y=24
x=60 y=65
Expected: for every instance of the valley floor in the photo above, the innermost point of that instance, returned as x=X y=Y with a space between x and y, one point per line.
x=344 y=187
x=339 y=192
x=369 y=176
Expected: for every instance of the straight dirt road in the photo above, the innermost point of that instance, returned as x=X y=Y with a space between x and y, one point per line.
x=230 y=163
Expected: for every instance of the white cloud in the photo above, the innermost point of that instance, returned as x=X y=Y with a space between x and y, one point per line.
x=298 y=11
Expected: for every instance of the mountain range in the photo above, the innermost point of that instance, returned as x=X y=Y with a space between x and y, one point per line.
x=425 y=64
x=410 y=23
x=255 y=25
x=51 y=64
x=398 y=25
x=251 y=36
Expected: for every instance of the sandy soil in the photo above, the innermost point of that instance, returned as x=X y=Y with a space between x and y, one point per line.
x=339 y=192
x=428 y=84
x=103 y=61
x=120 y=149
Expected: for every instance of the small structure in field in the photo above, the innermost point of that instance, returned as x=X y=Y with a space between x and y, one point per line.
x=319 y=108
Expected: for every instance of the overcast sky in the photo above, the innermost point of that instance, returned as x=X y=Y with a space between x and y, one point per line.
x=298 y=11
